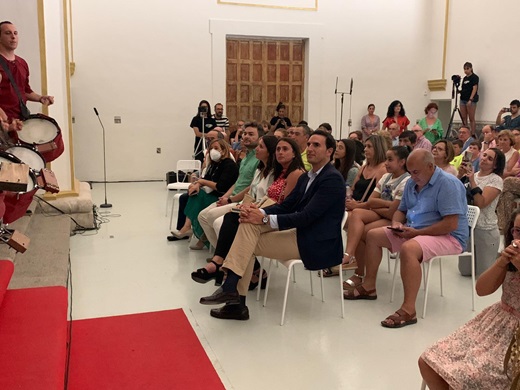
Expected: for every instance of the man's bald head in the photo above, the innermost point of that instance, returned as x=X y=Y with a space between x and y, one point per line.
x=421 y=166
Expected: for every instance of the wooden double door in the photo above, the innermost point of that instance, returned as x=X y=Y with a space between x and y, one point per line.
x=262 y=72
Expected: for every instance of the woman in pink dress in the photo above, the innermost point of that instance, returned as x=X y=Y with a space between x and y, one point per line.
x=370 y=123
x=473 y=356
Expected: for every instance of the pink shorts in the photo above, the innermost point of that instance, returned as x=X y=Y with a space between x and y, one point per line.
x=431 y=245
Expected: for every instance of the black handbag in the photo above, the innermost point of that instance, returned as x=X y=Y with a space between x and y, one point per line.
x=24 y=111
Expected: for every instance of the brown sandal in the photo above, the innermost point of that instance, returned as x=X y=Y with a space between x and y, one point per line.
x=399 y=319
x=361 y=294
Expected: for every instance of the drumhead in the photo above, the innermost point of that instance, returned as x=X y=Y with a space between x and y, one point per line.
x=37 y=131
x=31 y=179
x=28 y=156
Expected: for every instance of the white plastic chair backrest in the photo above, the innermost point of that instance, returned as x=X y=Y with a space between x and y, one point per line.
x=187 y=166
x=472 y=215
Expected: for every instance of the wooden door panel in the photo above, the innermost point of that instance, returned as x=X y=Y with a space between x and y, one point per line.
x=261 y=73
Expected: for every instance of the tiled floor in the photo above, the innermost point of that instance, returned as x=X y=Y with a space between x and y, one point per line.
x=129 y=267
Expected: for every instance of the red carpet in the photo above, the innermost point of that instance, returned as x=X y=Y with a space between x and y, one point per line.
x=152 y=351
x=33 y=334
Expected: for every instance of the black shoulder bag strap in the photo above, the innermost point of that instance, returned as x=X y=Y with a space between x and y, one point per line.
x=23 y=108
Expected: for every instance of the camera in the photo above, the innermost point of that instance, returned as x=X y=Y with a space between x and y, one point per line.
x=506 y=109
x=203 y=111
x=456 y=79
x=466 y=158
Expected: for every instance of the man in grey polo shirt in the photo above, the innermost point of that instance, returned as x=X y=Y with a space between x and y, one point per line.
x=253 y=131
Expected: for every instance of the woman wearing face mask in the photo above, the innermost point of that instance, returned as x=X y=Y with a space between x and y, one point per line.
x=431 y=125
x=220 y=175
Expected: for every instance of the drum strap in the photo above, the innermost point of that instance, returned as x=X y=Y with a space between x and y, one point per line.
x=23 y=108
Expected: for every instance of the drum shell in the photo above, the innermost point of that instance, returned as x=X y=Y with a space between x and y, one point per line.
x=50 y=155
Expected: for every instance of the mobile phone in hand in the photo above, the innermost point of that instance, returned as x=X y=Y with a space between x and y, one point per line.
x=395 y=229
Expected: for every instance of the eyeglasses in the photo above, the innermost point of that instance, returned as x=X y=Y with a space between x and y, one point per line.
x=515 y=231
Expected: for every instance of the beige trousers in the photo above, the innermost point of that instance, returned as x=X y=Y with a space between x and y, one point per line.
x=260 y=240
x=208 y=216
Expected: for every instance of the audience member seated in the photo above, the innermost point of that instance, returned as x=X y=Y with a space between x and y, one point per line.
x=280 y=133
x=506 y=141
x=305 y=226
x=457 y=149
x=394 y=133
x=236 y=192
x=236 y=135
x=278 y=171
x=265 y=126
x=325 y=127
x=280 y=121
x=396 y=114
x=422 y=142
x=301 y=134
x=360 y=152
x=488 y=133
x=380 y=208
x=431 y=125
x=483 y=189
x=516 y=134
x=407 y=138
x=443 y=153
x=473 y=356
x=430 y=221
x=344 y=160
x=365 y=181
x=465 y=137
x=220 y=176
x=370 y=123
x=356 y=135
x=387 y=137
x=510 y=121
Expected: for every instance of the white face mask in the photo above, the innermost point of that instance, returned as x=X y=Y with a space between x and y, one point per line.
x=215 y=155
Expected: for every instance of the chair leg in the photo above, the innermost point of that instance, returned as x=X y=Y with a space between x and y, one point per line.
x=397 y=259
x=473 y=279
x=268 y=280
x=387 y=253
x=286 y=293
x=440 y=272
x=423 y=385
x=260 y=279
x=341 y=292
x=294 y=275
x=426 y=289
x=321 y=283
x=312 y=285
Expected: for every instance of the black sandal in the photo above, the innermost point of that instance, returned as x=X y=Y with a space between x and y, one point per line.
x=203 y=276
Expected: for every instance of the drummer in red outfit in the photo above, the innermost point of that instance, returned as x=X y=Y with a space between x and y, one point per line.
x=10 y=113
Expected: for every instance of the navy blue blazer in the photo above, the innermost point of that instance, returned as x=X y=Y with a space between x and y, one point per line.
x=316 y=215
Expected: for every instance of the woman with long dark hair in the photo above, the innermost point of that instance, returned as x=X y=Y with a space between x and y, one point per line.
x=203 y=116
x=396 y=114
x=344 y=160
x=473 y=356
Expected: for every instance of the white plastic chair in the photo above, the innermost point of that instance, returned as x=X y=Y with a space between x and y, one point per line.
x=188 y=167
x=289 y=264
x=472 y=215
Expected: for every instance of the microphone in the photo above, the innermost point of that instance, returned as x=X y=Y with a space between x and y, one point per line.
x=351 y=84
x=336 y=90
x=106 y=204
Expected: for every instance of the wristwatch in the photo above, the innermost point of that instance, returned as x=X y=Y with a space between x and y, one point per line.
x=265 y=219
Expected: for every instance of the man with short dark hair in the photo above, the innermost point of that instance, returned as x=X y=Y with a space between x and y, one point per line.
x=511 y=121
x=301 y=134
x=221 y=120
x=407 y=138
x=306 y=225
x=207 y=217
x=430 y=221
x=10 y=110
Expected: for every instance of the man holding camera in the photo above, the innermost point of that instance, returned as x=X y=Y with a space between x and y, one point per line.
x=512 y=121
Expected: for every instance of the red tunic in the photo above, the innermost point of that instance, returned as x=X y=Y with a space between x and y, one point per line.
x=8 y=98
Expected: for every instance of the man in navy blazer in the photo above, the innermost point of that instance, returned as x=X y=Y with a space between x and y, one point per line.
x=307 y=226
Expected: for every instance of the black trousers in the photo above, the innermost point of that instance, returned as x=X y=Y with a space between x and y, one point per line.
x=181 y=217
x=227 y=234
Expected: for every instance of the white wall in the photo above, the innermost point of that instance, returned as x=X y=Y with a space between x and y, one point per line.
x=152 y=64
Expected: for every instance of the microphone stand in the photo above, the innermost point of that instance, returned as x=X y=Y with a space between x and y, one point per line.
x=105 y=205
x=341 y=111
